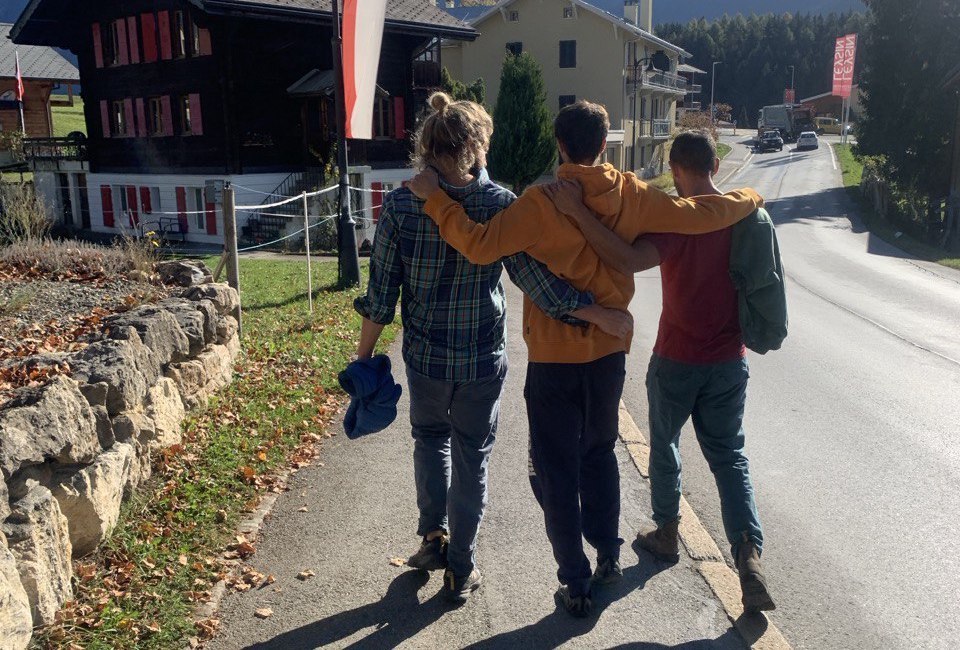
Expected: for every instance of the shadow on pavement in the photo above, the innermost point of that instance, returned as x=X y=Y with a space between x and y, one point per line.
x=397 y=617
x=730 y=638
x=559 y=627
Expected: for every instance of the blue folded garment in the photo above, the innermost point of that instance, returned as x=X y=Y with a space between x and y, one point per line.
x=373 y=396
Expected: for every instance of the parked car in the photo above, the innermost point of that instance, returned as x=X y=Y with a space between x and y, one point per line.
x=771 y=140
x=808 y=140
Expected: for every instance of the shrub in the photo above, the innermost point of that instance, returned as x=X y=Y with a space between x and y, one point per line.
x=23 y=215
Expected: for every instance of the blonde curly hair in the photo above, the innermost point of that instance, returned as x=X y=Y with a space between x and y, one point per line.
x=454 y=135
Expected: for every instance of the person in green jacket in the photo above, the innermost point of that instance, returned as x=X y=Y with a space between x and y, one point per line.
x=699 y=366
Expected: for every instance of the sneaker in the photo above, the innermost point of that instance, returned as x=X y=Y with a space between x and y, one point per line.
x=608 y=571
x=578 y=606
x=753 y=584
x=663 y=541
x=456 y=589
x=432 y=555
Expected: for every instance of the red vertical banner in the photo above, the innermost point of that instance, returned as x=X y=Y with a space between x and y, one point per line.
x=362 y=37
x=844 y=62
x=123 y=55
x=166 y=45
x=106 y=199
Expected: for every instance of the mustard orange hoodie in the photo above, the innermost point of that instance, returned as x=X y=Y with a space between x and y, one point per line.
x=532 y=224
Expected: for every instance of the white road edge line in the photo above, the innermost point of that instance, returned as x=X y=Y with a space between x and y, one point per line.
x=746 y=161
x=758 y=632
x=833 y=156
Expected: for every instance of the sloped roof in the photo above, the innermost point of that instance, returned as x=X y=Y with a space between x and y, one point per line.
x=36 y=61
x=619 y=21
x=415 y=16
x=689 y=69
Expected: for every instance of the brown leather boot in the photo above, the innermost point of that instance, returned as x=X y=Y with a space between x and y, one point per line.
x=663 y=542
x=753 y=585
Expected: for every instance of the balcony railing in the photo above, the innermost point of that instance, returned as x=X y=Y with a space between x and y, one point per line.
x=694 y=89
x=692 y=106
x=54 y=149
x=664 y=80
x=657 y=129
x=426 y=74
x=661 y=128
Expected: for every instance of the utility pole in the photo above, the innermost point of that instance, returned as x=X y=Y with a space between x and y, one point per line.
x=713 y=87
x=346 y=226
x=793 y=70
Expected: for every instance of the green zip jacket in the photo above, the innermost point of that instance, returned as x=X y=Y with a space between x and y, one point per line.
x=757 y=273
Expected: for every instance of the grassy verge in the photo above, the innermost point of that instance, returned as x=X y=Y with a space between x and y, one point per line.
x=664 y=181
x=67 y=119
x=723 y=150
x=852 y=170
x=140 y=589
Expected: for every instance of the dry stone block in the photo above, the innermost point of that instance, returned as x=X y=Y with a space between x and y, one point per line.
x=90 y=497
x=47 y=422
x=4 y=499
x=192 y=321
x=127 y=366
x=39 y=539
x=223 y=296
x=190 y=378
x=16 y=622
x=104 y=427
x=157 y=329
x=226 y=329
x=165 y=409
x=185 y=273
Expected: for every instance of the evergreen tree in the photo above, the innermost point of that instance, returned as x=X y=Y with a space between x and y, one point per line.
x=910 y=119
x=523 y=146
x=475 y=92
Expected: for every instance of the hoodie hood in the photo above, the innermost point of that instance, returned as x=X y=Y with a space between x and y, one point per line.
x=602 y=186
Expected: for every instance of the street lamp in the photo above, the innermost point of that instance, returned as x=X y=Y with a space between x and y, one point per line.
x=793 y=69
x=659 y=60
x=713 y=86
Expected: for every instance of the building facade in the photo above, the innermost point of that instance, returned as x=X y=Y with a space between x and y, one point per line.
x=179 y=95
x=585 y=53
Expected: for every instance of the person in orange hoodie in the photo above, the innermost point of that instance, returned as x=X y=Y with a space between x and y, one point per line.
x=575 y=376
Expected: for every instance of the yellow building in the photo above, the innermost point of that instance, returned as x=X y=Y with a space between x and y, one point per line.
x=585 y=53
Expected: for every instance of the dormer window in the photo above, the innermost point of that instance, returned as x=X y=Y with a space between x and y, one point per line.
x=513 y=16
x=568 y=13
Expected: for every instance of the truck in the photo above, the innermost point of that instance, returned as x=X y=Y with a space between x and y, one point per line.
x=789 y=119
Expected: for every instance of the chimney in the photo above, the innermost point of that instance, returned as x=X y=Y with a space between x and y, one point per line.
x=630 y=11
x=645 y=18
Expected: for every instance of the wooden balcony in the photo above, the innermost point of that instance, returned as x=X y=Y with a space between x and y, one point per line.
x=55 y=149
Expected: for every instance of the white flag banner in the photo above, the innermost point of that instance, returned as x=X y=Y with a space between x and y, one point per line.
x=362 y=36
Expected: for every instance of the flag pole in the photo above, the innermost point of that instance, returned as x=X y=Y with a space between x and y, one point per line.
x=346 y=231
x=20 y=93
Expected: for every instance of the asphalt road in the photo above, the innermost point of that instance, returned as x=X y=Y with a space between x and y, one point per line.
x=852 y=428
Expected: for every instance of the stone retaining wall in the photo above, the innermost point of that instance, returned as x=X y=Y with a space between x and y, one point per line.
x=73 y=449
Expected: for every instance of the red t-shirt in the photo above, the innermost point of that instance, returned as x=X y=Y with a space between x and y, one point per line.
x=700 y=322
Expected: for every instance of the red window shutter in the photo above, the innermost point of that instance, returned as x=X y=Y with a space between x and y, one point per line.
x=148 y=23
x=146 y=206
x=106 y=196
x=211 y=218
x=196 y=114
x=123 y=55
x=206 y=47
x=182 y=209
x=376 y=200
x=105 y=118
x=166 y=46
x=128 y=116
x=132 y=206
x=97 y=45
x=141 y=118
x=167 y=115
x=134 y=39
x=399 y=119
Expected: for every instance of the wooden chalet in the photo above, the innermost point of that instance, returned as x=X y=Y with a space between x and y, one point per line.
x=179 y=93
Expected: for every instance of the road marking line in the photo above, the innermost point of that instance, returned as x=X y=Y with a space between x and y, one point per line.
x=746 y=161
x=757 y=631
x=833 y=156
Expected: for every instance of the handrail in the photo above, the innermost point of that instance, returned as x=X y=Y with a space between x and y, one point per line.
x=55 y=148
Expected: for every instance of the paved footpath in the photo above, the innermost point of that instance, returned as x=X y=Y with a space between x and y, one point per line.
x=361 y=512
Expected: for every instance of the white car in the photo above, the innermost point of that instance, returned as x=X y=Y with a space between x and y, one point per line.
x=808 y=140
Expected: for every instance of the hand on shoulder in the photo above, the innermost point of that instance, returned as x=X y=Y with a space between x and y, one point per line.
x=425 y=183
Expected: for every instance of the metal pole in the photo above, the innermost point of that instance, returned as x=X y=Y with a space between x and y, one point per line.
x=230 y=244
x=306 y=239
x=713 y=87
x=793 y=70
x=633 y=147
x=347 y=234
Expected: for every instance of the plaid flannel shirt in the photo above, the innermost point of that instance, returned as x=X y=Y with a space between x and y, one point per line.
x=453 y=312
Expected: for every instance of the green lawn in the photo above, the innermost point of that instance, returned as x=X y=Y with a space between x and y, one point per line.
x=140 y=589
x=67 y=119
x=665 y=180
x=723 y=150
x=852 y=170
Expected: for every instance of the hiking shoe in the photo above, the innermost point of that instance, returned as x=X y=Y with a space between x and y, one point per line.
x=432 y=555
x=753 y=585
x=578 y=606
x=608 y=571
x=456 y=589
x=663 y=542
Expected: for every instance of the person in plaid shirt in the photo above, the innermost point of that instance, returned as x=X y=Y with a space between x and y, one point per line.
x=454 y=314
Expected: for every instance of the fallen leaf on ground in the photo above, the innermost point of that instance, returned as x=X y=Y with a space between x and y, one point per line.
x=303 y=509
x=263 y=612
x=303 y=575
x=397 y=561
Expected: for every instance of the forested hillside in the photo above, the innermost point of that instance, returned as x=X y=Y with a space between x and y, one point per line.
x=757 y=51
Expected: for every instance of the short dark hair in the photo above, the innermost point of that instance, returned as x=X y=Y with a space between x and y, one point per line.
x=581 y=128
x=695 y=151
